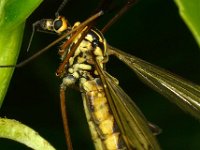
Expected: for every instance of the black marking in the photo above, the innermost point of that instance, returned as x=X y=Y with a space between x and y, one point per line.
x=96 y=40
x=94 y=34
x=95 y=43
x=71 y=77
x=99 y=82
x=121 y=143
x=90 y=100
x=115 y=127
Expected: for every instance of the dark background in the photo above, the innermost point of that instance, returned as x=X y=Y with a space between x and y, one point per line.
x=151 y=30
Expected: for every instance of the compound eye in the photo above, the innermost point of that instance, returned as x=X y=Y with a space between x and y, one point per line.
x=60 y=24
x=57 y=24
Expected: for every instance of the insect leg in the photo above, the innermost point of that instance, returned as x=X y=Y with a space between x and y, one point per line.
x=23 y=63
x=64 y=117
x=124 y=9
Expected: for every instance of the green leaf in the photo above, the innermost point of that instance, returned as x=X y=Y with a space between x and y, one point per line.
x=190 y=12
x=13 y=14
x=14 y=130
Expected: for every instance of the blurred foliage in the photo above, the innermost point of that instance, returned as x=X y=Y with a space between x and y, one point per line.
x=189 y=11
x=13 y=14
x=151 y=30
x=14 y=130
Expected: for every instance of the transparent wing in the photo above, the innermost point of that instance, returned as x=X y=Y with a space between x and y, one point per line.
x=181 y=92
x=131 y=121
x=133 y=125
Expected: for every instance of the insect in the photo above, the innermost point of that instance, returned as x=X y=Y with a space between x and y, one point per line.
x=85 y=66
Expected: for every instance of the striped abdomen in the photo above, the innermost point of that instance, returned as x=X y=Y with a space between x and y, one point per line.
x=103 y=127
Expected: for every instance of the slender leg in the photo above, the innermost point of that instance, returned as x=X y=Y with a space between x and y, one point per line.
x=40 y=52
x=124 y=9
x=64 y=117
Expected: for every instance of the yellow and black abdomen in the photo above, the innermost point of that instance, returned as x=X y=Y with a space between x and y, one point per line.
x=103 y=127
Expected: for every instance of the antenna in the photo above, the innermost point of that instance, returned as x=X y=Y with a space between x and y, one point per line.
x=40 y=22
x=86 y=22
x=62 y=5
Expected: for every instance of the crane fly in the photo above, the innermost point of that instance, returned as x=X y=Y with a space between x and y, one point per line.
x=115 y=122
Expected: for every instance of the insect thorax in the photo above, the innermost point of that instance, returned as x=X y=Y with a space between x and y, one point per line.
x=81 y=65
